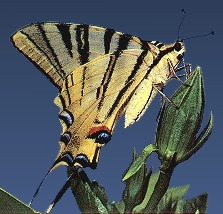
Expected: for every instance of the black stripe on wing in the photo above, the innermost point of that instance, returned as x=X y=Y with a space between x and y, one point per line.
x=107 y=39
x=130 y=81
x=43 y=33
x=34 y=62
x=82 y=33
x=123 y=42
x=83 y=82
x=105 y=77
x=158 y=58
x=139 y=113
x=62 y=101
x=64 y=30
x=68 y=93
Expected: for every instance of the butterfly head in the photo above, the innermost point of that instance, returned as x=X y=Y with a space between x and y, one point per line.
x=179 y=48
x=174 y=52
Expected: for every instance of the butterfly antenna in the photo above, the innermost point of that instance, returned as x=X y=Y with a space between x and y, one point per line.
x=182 y=20
x=63 y=190
x=203 y=35
x=37 y=190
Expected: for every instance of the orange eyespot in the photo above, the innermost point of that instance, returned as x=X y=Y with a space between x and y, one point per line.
x=98 y=128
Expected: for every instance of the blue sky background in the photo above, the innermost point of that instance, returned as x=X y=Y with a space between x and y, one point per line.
x=29 y=126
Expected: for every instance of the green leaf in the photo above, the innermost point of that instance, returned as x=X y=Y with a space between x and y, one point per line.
x=100 y=193
x=134 y=193
x=177 y=193
x=194 y=205
x=118 y=207
x=202 y=138
x=149 y=190
x=11 y=205
x=166 y=205
x=169 y=201
x=139 y=161
x=86 y=197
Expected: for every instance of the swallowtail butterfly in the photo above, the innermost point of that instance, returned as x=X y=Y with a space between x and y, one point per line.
x=100 y=74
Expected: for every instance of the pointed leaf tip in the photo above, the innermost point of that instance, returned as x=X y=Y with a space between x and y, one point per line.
x=139 y=161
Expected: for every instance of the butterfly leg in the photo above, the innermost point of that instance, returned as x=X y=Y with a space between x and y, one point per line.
x=187 y=74
x=173 y=71
x=158 y=87
x=162 y=105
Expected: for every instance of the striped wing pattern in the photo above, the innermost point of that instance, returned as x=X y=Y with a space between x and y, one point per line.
x=100 y=74
x=57 y=49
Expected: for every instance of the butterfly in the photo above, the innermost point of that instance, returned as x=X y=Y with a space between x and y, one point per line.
x=101 y=74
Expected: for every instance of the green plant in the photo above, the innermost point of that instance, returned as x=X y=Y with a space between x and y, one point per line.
x=146 y=192
x=176 y=141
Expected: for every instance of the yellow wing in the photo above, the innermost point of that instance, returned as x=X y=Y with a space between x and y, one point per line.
x=94 y=96
x=58 y=48
x=101 y=74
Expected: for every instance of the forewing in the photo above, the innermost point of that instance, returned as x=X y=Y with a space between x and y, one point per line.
x=57 y=49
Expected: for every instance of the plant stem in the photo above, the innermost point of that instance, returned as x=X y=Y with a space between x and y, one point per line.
x=160 y=189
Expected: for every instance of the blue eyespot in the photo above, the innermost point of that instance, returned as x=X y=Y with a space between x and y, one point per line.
x=82 y=160
x=67 y=117
x=65 y=138
x=103 y=137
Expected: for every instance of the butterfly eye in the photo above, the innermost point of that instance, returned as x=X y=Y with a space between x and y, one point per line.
x=177 y=46
x=103 y=138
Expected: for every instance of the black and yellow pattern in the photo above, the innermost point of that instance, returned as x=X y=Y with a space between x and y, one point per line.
x=101 y=74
